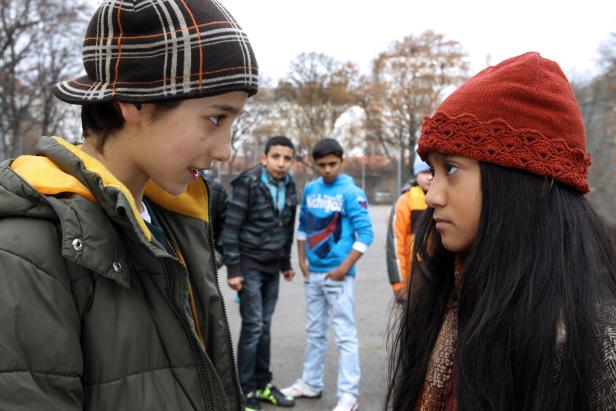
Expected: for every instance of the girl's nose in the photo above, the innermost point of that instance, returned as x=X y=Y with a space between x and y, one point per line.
x=435 y=197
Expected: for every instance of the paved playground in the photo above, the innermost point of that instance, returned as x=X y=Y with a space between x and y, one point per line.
x=373 y=299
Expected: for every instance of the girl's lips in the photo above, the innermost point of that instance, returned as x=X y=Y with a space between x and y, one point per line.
x=440 y=223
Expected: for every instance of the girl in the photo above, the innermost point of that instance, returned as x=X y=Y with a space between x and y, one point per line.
x=109 y=298
x=512 y=306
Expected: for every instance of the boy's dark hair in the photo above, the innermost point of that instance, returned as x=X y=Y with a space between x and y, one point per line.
x=103 y=118
x=278 y=141
x=326 y=147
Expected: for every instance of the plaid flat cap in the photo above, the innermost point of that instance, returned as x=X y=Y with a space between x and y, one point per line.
x=152 y=50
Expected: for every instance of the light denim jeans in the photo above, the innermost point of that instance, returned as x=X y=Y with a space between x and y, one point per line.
x=325 y=297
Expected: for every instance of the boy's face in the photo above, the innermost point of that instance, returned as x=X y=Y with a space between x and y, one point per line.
x=173 y=147
x=278 y=161
x=329 y=167
x=423 y=180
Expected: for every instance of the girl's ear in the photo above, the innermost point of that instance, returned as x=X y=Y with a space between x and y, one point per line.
x=130 y=111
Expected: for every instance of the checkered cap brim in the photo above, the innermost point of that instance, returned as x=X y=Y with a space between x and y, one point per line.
x=146 y=50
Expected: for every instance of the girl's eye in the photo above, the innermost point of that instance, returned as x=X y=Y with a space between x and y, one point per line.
x=216 y=119
x=451 y=169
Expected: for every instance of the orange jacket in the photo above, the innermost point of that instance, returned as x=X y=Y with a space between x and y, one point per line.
x=402 y=221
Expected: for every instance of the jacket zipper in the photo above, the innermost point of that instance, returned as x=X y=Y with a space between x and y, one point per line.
x=222 y=300
x=203 y=378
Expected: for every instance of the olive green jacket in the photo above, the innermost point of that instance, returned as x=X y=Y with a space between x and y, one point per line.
x=95 y=314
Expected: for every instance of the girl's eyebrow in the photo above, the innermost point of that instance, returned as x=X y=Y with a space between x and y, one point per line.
x=443 y=158
x=436 y=157
x=440 y=156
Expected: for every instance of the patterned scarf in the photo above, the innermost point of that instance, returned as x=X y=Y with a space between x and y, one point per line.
x=438 y=390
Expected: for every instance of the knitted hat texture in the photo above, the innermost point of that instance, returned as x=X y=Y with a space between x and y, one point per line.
x=139 y=51
x=520 y=113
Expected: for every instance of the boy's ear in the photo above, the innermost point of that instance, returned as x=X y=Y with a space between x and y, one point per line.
x=263 y=159
x=130 y=112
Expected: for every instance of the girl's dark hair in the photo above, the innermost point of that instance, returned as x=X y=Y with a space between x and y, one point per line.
x=102 y=118
x=326 y=147
x=543 y=263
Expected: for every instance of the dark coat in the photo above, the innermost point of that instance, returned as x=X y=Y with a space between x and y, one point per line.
x=255 y=235
x=218 y=208
x=95 y=313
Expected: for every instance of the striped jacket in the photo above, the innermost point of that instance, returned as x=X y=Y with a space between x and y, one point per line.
x=255 y=235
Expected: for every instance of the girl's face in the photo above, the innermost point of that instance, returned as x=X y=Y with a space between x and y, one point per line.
x=455 y=195
x=173 y=146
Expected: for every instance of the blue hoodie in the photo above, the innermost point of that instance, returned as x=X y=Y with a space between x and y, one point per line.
x=333 y=220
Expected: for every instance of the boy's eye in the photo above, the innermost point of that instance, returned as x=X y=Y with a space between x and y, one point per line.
x=431 y=171
x=216 y=119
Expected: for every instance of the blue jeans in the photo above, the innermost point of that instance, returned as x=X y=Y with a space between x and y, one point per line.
x=257 y=302
x=325 y=297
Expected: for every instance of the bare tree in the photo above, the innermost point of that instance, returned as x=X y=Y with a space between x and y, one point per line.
x=408 y=81
x=260 y=113
x=39 y=45
x=317 y=90
x=597 y=100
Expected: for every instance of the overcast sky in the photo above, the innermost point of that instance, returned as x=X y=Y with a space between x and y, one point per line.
x=569 y=32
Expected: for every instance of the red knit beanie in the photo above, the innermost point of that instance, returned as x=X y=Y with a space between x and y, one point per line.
x=520 y=113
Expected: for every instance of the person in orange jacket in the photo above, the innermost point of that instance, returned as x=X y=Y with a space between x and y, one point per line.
x=401 y=228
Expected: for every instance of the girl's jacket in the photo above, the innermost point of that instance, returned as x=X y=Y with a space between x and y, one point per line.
x=95 y=313
x=333 y=220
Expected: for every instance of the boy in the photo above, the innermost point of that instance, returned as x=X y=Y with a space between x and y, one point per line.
x=257 y=247
x=109 y=297
x=334 y=232
x=401 y=228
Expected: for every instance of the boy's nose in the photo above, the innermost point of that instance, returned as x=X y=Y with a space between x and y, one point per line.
x=221 y=152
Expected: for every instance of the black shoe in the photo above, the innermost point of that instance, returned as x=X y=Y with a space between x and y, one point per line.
x=273 y=395
x=252 y=401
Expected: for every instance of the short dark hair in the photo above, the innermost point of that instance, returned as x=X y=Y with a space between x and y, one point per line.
x=103 y=118
x=278 y=141
x=326 y=147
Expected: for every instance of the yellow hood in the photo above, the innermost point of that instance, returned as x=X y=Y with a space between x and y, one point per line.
x=47 y=178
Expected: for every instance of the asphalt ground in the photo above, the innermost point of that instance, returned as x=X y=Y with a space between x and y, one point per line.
x=373 y=302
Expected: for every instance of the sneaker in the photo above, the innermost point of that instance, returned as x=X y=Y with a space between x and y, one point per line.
x=347 y=402
x=252 y=402
x=273 y=395
x=301 y=390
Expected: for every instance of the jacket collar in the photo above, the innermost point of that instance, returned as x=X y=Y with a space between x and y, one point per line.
x=61 y=168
